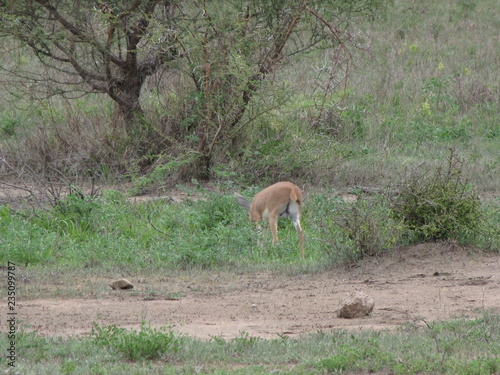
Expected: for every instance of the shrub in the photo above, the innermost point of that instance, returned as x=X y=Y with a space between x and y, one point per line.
x=147 y=344
x=72 y=215
x=368 y=226
x=440 y=204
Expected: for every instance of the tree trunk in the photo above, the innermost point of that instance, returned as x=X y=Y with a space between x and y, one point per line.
x=128 y=111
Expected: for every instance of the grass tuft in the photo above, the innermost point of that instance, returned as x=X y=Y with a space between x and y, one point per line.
x=146 y=344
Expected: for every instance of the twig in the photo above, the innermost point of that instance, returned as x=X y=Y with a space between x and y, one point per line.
x=17 y=187
x=152 y=225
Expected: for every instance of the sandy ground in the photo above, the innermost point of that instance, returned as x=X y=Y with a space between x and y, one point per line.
x=426 y=282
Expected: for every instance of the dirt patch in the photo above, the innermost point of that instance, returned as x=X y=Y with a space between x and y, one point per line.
x=430 y=282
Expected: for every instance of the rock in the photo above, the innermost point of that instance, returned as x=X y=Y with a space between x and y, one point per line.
x=356 y=305
x=121 y=284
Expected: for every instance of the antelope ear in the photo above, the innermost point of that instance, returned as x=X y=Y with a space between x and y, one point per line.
x=242 y=201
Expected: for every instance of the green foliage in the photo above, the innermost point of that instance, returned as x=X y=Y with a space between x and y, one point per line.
x=466 y=8
x=444 y=347
x=240 y=345
x=25 y=243
x=216 y=210
x=9 y=124
x=440 y=205
x=221 y=52
x=68 y=367
x=414 y=95
x=164 y=168
x=72 y=215
x=460 y=347
x=211 y=231
x=356 y=355
x=488 y=235
x=146 y=344
x=368 y=227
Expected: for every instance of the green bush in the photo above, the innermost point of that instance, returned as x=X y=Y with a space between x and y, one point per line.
x=9 y=124
x=73 y=215
x=439 y=205
x=368 y=227
x=146 y=344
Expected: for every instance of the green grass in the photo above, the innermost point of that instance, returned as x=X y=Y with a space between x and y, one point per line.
x=211 y=232
x=423 y=88
x=146 y=344
x=459 y=347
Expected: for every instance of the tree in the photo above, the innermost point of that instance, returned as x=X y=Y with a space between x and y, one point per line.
x=227 y=47
x=105 y=47
x=232 y=46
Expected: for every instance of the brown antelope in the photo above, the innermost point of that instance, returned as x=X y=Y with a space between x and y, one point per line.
x=282 y=199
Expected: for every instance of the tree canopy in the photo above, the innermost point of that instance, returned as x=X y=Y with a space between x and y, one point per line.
x=227 y=48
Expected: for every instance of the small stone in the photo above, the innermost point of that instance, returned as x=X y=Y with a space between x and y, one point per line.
x=356 y=305
x=121 y=284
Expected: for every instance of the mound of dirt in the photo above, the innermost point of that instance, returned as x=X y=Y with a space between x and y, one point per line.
x=426 y=282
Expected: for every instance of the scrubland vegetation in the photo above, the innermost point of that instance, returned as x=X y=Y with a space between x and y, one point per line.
x=458 y=347
x=422 y=78
x=414 y=133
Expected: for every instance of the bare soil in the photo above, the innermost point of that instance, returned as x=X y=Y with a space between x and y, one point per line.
x=416 y=285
